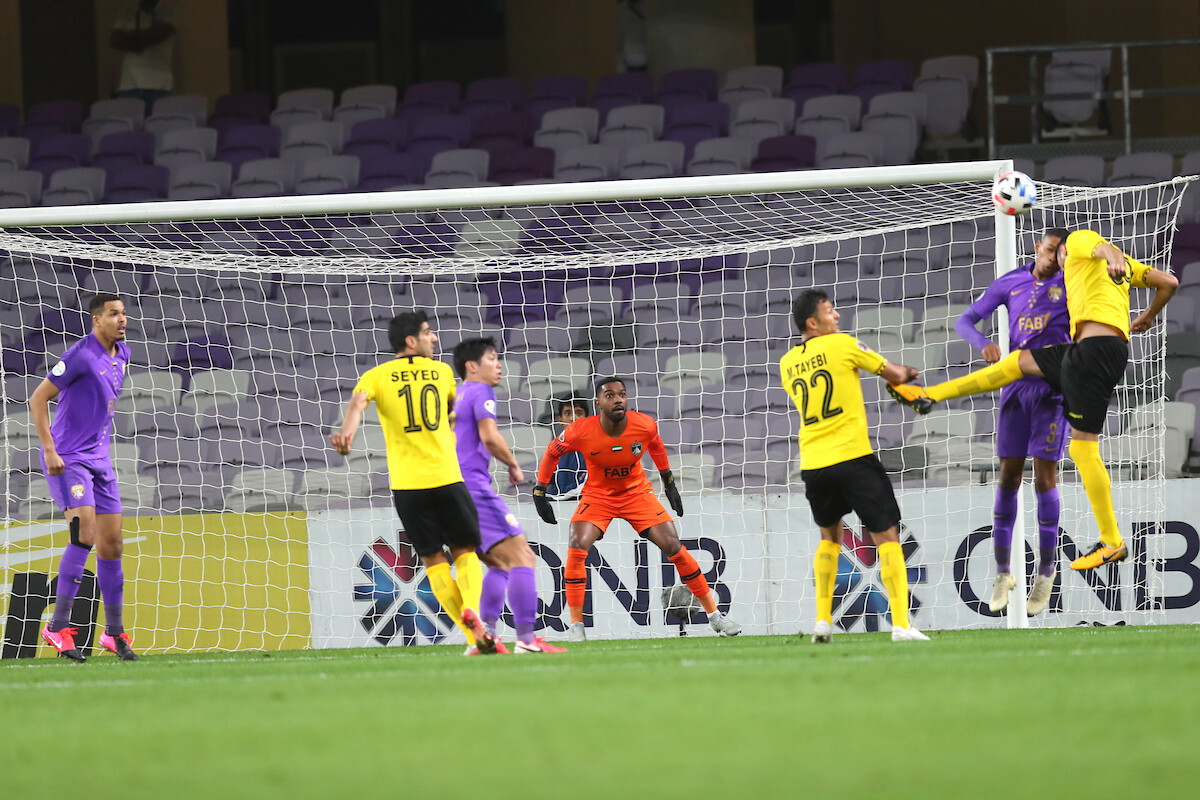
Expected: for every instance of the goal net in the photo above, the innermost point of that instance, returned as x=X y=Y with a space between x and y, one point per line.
x=250 y=320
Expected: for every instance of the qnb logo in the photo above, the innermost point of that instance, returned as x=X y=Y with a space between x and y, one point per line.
x=402 y=602
x=857 y=595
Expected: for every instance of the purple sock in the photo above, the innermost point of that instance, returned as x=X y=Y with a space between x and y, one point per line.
x=112 y=589
x=523 y=600
x=70 y=573
x=1004 y=516
x=1048 y=508
x=491 y=601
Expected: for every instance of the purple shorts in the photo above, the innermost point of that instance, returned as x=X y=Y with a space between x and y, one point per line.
x=496 y=522
x=1031 y=421
x=85 y=483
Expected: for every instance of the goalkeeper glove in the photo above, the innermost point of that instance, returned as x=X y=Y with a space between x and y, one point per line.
x=542 y=504
x=671 y=491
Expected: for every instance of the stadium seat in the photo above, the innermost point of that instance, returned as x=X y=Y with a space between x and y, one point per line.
x=632 y=125
x=264 y=177
x=200 y=181
x=14 y=153
x=521 y=164
x=61 y=151
x=948 y=101
x=249 y=143
x=695 y=123
x=653 y=160
x=847 y=106
x=1081 y=170
x=376 y=136
x=378 y=96
x=555 y=92
x=722 y=156
x=783 y=153
x=588 y=162
x=20 y=189
x=186 y=146
x=491 y=95
x=51 y=118
x=329 y=175
x=137 y=184
x=72 y=187
x=622 y=89
x=464 y=164
x=763 y=118
x=308 y=140
x=117 y=151
x=855 y=149
x=566 y=128
x=1133 y=169
x=751 y=83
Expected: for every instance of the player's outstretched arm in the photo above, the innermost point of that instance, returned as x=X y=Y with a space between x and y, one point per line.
x=495 y=443
x=898 y=373
x=1164 y=285
x=541 y=504
x=671 y=491
x=964 y=326
x=343 y=440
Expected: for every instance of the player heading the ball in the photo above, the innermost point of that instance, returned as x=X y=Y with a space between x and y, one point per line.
x=612 y=443
x=840 y=471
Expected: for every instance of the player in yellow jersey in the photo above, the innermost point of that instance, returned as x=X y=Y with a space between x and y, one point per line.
x=841 y=473
x=1087 y=370
x=415 y=396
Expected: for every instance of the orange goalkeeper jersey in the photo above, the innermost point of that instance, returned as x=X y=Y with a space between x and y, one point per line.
x=614 y=464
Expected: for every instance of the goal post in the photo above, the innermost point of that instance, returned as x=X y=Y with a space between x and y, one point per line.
x=250 y=320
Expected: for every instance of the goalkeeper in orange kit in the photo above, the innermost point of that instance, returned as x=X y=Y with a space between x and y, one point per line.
x=612 y=444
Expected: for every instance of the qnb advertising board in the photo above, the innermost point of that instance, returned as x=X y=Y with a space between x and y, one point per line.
x=368 y=588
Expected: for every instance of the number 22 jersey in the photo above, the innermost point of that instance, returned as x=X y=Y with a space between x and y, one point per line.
x=414 y=396
x=821 y=375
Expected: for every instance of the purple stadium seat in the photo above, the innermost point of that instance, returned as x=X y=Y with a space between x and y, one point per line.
x=502 y=130
x=521 y=164
x=825 y=75
x=10 y=119
x=439 y=97
x=880 y=77
x=783 y=153
x=61 y=151
x=492 y=95
x=53 y=117
x=136 y=184
x=256 y=105
x=123 y=150
x=376 y=136
x=433 y=133
x=380 y=171
x=695 y=123
x=622 y=89
x=555 y=91
x=249 y=143
x=686 y=86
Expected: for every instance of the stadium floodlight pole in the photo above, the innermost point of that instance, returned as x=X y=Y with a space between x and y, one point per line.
x=1006 y=261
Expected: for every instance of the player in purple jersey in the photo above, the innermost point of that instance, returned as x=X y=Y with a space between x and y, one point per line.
x=505 y=550
x=1031 y=421
x=75 y=458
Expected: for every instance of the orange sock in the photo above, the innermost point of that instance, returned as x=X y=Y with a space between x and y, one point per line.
x=690 y=574
x=575 y=577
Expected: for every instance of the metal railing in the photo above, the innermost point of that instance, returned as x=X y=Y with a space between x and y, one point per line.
x=1126 y=94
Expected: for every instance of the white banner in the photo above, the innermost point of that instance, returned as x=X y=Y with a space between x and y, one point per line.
x=368 y=587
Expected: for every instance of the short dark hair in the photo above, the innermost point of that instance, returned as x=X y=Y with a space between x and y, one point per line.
x=471 y=350
x=404 y=325
x=804 y=307
x=1061 y=233
x=563 y=403
x=610 y=379
x=99 y=300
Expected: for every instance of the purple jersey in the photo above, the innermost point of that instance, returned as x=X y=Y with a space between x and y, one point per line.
x=1037 y=310
x=475 y=401
x=89 y=380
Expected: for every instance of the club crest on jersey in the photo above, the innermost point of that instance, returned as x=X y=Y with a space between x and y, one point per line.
x=636 y=448
x=490 y=406
x=59 y=368
x=862 y=346
x=77 y=491
x=1055 y=293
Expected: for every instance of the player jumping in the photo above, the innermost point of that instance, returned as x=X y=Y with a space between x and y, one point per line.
x=504 y=549
x=612 y=443
x=1086 y=371
x=1031 y=421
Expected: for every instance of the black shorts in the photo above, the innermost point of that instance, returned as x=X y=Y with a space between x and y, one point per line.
x=437 y=517
x=1086 y=373
x=860 y=485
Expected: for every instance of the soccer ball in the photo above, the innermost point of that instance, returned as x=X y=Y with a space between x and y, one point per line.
x=1014 y=193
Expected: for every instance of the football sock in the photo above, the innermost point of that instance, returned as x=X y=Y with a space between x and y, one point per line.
x=575 y=578
x=446 y=591
x=1048 y=509
x=988 y=379
x=70 y=573
x=693 y=578
x=523 y=600
x=895 y=579
x=825 y=569
x=1096 y=483
x=468 y=574
x=1004 y=516
x=112 y=589
x=491 y=600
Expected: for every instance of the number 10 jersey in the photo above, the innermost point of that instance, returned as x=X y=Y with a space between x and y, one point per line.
x=821 y=375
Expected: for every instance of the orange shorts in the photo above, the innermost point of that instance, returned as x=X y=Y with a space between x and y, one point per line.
x=642 y=511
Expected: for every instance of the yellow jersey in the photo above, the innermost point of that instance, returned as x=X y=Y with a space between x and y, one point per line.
x=821 y=375
x=414 y=396
x=1092 y=295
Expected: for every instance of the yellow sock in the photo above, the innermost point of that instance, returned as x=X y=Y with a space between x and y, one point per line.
x=895 y=579
x=446 y=591
x=988 y=379
x=825 y=569
x=1098 y=486
x=468 y=574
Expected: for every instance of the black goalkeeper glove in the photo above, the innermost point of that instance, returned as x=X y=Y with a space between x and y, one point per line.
x=542 y=504
x=672 y=491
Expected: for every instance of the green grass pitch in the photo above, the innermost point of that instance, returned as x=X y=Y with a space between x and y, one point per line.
x=1083 y=712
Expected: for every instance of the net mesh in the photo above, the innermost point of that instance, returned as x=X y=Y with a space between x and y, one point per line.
x=248 y=335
